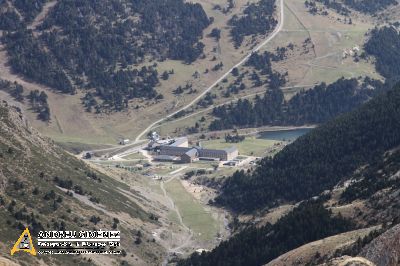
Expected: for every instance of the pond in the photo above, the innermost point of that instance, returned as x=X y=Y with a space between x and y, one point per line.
x=287 y=135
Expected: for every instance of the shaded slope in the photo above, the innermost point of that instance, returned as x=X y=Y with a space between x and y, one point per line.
x=319 y=160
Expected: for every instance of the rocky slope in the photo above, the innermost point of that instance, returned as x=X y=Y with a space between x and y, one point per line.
x=384 y=250
x=44 y=188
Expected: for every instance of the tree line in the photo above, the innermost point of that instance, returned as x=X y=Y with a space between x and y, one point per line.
x=314 y=106
x=344 y=7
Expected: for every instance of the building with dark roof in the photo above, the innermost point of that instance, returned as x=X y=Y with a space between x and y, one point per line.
x=166 y=158
x=189 y=155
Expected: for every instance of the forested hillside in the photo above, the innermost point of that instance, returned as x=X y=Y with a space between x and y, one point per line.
x=257 y=246
x=96 y=44
x=314 y=106
x=384 y=45
x=320 y=159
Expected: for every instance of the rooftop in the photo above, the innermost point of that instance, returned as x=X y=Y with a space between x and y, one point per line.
x=179 y=141
x=192 y=153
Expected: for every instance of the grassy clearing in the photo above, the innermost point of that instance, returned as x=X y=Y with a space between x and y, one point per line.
x=135 y=156
x=200 y=221
x=251 y=146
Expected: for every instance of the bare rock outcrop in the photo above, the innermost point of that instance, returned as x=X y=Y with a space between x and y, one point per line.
x=384 y=250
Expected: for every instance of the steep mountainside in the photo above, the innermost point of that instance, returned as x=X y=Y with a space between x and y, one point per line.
x=319 y=160
x=385 y=249
x=44 y=188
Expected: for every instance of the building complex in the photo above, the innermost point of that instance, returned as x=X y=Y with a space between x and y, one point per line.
x=178 y=150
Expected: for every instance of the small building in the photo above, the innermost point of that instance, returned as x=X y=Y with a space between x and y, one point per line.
x=154 y=136
x=124 y=141
x=190 y=156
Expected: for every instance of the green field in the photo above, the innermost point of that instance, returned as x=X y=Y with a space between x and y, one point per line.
x=251 y=146
x=200 y=221
x=135 y=156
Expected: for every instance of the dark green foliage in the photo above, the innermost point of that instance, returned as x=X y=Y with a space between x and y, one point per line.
x=67 y=184
x=95 y=219
x=262 y=64
x=369 y=6
x=364 y=6
x=314 y=106
x=9 y=20
x=374 y=178
x=335 y=5
x=215 y=33
x=234 y=138
x=96 y=44
x=320 y=159
x=257 y=246
x=257 y=19
x=384 y=45
x=207 y=100
x=28 y=58
x=39 y=104
x=29 y=9
x=174 y=27
x=89 y=101
x=16 y=90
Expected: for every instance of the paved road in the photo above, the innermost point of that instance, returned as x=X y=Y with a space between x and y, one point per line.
x=259 y=47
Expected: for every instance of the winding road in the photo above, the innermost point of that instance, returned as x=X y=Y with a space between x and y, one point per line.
x=259 y=47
